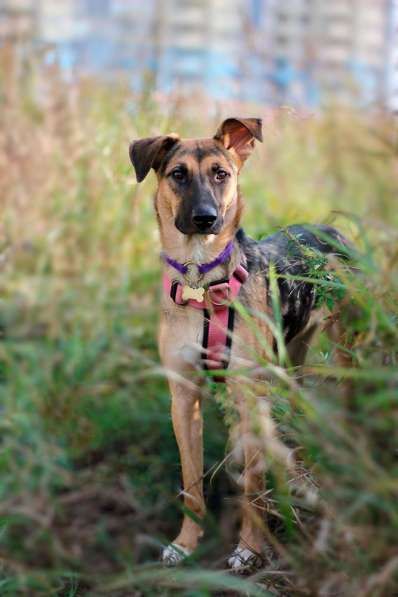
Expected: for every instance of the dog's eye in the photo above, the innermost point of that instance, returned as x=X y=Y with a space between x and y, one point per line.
x=221 y=175
x=178 y=174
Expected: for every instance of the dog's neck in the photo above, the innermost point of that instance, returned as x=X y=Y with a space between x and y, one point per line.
x=200 y=250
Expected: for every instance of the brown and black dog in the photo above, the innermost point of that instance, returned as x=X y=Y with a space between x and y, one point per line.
x=198 y=207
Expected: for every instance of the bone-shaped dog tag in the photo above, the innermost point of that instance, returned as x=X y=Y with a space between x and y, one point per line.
x=196 y=294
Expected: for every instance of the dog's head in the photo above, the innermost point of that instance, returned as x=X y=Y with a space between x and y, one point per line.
x=197 y=178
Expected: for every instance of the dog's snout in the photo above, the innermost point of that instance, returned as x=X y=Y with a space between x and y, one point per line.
x=204 y=219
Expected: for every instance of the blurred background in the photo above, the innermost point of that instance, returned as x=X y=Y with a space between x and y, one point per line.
x=298 y=52
x=89 y=469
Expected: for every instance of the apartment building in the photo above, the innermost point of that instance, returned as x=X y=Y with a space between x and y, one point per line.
x=353 y=49
x=190 y=43
x=317 y=50
x=198 y=44
x=103 y=36
x=299 y=52
x=284 y=34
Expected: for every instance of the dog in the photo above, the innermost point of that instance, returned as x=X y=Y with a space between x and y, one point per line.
x=210 y=265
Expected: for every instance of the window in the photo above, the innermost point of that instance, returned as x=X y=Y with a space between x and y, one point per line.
x=256 y=10
x=187 y=4
x=97 y=7
x=283 y=17
x=281 y=40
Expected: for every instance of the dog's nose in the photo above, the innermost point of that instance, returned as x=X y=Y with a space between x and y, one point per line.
x=204 y=219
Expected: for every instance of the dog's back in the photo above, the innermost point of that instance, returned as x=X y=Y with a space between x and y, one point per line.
x=300 y=256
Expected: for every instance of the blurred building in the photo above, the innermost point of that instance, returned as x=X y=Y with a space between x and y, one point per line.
x=298 y=52
x=100 y=36
x=190 y=43
x=392 y=65
x=17 y=20
x=353 y=56
x=199 y=45
x=316 y=49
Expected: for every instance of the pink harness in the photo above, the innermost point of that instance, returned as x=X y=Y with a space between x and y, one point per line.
x=218 y=317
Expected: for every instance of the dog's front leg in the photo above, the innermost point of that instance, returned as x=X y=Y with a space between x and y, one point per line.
x=187 y=419
x=248 y=554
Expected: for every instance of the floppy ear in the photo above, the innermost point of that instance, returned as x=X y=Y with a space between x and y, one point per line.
x=148 y=153
x=238 y=135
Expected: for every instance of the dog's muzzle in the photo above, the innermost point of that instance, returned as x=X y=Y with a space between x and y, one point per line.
x=204 y=219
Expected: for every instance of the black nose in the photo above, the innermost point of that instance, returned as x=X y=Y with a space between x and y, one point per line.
x=204 y=219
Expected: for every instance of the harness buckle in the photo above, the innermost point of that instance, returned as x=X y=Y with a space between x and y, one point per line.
x=220 y=294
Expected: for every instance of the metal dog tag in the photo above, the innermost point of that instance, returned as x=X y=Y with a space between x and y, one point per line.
x=197 y=294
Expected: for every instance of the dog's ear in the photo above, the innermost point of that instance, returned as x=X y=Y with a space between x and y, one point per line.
x=238 y=135
x=148 y=153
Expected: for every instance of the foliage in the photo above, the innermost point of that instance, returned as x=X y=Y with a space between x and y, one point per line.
x=89 y=466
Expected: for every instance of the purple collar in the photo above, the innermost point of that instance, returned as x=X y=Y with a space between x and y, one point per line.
x=182 y=268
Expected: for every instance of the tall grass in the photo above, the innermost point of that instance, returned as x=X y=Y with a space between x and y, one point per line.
x=89 y=465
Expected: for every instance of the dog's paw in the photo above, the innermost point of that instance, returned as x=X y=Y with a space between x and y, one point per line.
x=245 y=561
x=174 y=554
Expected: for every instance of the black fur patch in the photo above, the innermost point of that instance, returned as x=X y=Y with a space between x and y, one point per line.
x=289 y=250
